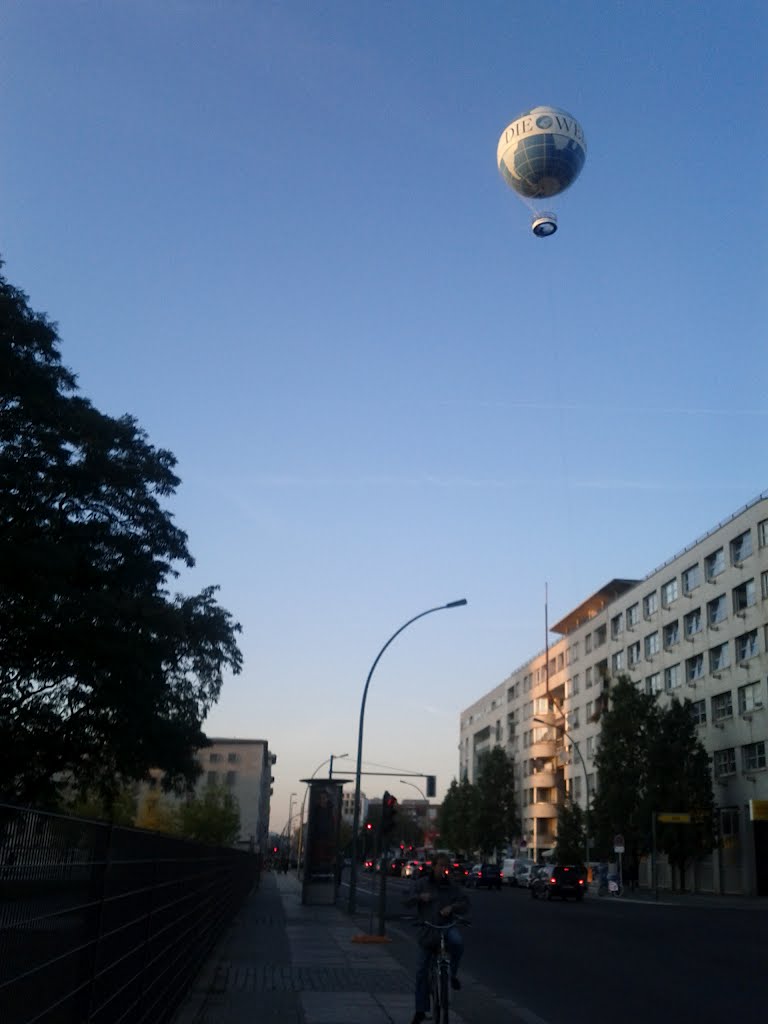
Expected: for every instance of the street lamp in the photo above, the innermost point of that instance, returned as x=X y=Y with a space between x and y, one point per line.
x=290 y=817
x=358 y=770
x=332 y=758
x=426 y=816
x=414 y=786
x=586 y=781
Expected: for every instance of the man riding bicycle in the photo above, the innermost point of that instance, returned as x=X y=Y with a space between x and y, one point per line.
x=437 y=899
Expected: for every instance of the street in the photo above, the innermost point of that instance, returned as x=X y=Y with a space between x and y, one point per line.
x=605 y=958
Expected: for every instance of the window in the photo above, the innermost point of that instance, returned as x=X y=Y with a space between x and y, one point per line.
x=587 y=643
x=699 y=712
x=589 y=710
x=498 y=731
x=694 y=667
x=232 y=758
x=617 y=662
x=651 y=644
x=750 y=698
x=729 y=821
x=691 y=578
x=577 y=787
x=560 y=662
x=633 y=653
x=590 y=785
x=746 y=645
x=716 y=610
x=212 y=778
x=725 y=762
x=762 y=533
x=672 y=677
x=601 y=635
x=753 y=756
x=741 y=547
x=602 y=672
x=573 y=718
x=744 y=596
x=650 y=604
x=653 y=683
x=633 y=615
x=575 y=682
x=231 y=778
x=719 y=658
x=714 y=564
x=617 y=626
x=214 y=758
x=588 y=678
x=722 y=706
x=575 y=650
x=692 y=622
x=764 y=584
x=672 y=634
x=590 y=746
x=669 y=593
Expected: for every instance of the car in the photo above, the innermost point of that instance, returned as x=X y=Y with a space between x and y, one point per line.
x=460 y=870
x=563 y=880
x=524 y=874
x=485 y=876
x=368 y=864
x=413 y=869
x=512 y=865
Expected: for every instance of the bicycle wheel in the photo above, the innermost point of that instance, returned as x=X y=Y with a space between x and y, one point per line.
x=443 y=1019
x=434 y=991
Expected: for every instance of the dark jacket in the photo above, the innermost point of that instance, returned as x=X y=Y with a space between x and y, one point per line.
x=443 y=892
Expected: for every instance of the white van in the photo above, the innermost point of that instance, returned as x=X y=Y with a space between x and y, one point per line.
x=513 y=866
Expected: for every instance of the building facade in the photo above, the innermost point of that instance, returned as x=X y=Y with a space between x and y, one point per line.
x=695 y=627
x=245 y=768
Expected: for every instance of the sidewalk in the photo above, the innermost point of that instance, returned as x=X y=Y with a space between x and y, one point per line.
x=282 y=961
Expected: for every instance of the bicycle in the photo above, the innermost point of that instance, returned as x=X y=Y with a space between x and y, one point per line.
x=440 y=971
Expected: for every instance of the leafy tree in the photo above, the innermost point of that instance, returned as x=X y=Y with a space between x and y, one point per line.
x=457 y=816
x=571 y=834
x=103 y=674
x=496 y=820
x=121 y=809
x=680 y=781
x=157 y=813
x=622 y=803
x=211 y=817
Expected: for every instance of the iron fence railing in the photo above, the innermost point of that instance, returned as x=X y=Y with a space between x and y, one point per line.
x=101 y=924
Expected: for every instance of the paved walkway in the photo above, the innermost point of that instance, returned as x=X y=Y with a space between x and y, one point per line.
x=282 y=961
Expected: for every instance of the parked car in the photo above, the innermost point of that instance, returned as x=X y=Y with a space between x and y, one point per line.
x=563 y=880
x=485 y=876
x=525 y=873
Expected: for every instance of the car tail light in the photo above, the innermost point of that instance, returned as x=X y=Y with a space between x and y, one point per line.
x=501 y=874
x=553 y=880
x=479 y=874
x=581 y=881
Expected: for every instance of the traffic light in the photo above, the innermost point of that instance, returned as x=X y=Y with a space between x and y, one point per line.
x=431 y=787
x=388 y=813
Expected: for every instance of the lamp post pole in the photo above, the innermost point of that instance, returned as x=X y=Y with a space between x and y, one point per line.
x=288 y=827
x=358 y=770
x=426 y=815
x=586 y=782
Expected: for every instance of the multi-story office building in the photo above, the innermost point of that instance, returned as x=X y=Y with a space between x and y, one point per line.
x=695 y=627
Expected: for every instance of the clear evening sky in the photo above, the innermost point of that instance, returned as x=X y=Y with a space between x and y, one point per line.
x=276 y=234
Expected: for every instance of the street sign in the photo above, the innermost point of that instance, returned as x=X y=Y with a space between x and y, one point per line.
x=675 y=818
x=618 y=844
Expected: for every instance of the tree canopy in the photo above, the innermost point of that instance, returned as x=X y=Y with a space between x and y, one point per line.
x=482 y=816
x=649 y=760
x=103 y=673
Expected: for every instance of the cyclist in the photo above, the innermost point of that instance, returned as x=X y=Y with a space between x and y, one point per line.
x=437 y=899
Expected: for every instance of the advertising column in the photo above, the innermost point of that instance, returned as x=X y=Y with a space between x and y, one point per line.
x=322 y=846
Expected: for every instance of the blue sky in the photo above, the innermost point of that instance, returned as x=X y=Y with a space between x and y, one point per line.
x=276 y=234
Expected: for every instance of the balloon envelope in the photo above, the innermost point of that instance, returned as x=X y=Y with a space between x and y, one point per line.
x=541 y=152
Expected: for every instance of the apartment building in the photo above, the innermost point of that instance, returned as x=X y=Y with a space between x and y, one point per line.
x=695 y=627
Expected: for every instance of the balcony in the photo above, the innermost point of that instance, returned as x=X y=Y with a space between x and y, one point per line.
x=543 y=748
x=542 y=810
x=544 y=779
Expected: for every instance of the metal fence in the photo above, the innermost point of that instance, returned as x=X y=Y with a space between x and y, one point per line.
x=106 y=925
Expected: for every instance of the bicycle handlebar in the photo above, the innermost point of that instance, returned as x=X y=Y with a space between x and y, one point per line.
x=457 y=919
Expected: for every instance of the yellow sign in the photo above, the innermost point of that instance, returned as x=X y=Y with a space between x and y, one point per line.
x=758 y=810
x=672 y=817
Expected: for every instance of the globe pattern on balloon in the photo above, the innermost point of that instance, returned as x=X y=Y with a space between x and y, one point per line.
x=546 y=157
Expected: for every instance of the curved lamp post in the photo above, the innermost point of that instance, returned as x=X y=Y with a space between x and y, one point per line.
x=330 y=759
x=426 y=816
x=586 y=782
x=356 y=812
